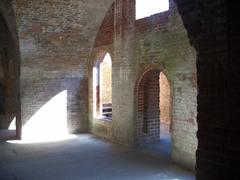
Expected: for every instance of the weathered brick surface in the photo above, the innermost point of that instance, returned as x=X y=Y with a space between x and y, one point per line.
x=214 y=32
x=47 y=89
x=123 y=73
x=56 y=38
x=158 y=42
x=163 y=41
x=54 y=44
x=105 y=34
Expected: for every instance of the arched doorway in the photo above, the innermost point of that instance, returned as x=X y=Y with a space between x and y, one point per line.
x=154 y=106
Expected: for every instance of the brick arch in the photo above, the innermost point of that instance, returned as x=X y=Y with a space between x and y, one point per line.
x=149 y=67
x=147 y=110
x=99 y=56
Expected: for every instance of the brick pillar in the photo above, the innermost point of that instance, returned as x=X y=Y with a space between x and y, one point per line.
x=123 y=72
x=215 y=38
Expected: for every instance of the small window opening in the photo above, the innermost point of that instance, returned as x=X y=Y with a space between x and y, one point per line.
x=145 y=8
x=102 y=88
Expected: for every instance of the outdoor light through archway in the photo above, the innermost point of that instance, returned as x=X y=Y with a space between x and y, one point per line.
x=145 y=8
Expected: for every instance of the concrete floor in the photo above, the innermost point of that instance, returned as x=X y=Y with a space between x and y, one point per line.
x=84 y=158
x=7 y=134
x=160 y=149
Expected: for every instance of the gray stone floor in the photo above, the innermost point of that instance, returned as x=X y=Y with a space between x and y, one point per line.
x=7 y=134
x=84 y=158
x=160 y=149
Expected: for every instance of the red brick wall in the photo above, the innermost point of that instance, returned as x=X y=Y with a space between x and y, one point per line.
x=105 y=34
x=213 y=29
x=155 y=21
x=159 y=41
x=56 y=38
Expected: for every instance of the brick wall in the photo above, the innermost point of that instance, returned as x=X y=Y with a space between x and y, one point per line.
x=213 y=29
x=56 y=38
x=135 y=47
x=123 y=73
x=49 y=88
x=214 y=36
x=103 y=44
x=105 y=34
x=161 y=40
x=157 y=42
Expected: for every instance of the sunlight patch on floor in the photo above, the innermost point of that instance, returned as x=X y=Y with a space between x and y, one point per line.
x=34 y=141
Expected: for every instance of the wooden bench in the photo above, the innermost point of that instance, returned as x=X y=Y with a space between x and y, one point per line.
x=107 y=110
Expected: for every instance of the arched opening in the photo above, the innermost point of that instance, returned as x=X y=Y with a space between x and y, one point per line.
x=102 y=88
x=147 y=8
x=154 y=113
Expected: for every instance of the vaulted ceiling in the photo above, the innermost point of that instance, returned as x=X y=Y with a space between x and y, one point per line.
x=84 y=16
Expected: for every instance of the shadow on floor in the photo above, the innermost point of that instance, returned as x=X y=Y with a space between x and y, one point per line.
x=6 y=134
x=161 y=148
